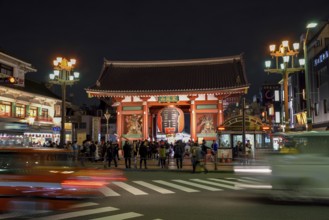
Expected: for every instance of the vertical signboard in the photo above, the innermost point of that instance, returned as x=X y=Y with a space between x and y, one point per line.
x=96 y=128
x=81 y=136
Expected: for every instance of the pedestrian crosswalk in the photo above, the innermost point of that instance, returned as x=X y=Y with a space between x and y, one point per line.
x=194 y=185
x=91 y=210
x=86 y=210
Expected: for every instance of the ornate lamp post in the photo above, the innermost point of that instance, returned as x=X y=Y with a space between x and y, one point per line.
x=285 y=52
x=63 y=75
x=107 y=115
x=307 y=80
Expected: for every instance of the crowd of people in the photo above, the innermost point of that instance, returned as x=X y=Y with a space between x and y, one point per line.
x=137 y=153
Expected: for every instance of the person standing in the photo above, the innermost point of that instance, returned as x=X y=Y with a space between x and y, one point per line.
x=135 y=149
x=143 y=154
x=248 y=152
x=214 y=148
x=92 y=151
x=111 y=155
x=75 y=149
x=179 y=154
x=127 y=154
x=162 y=154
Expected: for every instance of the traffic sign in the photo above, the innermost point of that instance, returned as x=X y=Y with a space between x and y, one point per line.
x=56 y=128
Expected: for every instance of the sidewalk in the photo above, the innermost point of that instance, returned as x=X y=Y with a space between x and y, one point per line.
x=152 y=165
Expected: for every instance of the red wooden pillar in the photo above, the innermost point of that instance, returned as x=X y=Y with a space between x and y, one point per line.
x=193 y=118
x=145 y=117
x=119 y=120
x=220 y=107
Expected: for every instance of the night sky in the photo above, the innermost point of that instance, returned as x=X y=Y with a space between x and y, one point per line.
x=39 y=31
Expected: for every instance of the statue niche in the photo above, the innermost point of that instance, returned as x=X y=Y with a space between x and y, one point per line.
x=134 y=124
x=207 y=124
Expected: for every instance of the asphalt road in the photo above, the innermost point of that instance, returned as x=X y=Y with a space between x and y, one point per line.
x=181 y=195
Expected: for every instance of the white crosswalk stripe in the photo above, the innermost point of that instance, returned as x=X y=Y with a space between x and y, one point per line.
x=78 y=213
x=129 y=188
x=228 y=182
x=154 y=187
x=120 y=216
x=176 y=186
x=244 y=181
x=198 y=185
x=216 y=184
x=252 y=184
x=85 y=204
x=108 y=192
x=251 y=178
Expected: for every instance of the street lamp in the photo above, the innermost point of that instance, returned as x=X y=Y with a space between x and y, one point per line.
x=107 y=115
x=63 y=75
x=307 y=81
x=285 y=52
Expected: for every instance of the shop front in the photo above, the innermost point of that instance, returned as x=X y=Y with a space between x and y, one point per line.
x=230 y=138
x=12 y=134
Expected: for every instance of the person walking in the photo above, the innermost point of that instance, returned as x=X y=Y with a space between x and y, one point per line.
x=127 y=150
x=197 y=158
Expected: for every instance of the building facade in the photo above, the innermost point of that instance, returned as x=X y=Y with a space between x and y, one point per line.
x=29 y=111
x=318 y=51
x=174 y=99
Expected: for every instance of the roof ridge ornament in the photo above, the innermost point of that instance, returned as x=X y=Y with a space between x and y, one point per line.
x=98 y=83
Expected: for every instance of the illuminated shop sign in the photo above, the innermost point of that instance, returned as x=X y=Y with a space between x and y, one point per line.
x=322 y=57
x=13 y=126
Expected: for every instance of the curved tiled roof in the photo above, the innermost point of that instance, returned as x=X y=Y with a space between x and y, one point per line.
x=34 y=88
x=172 y=75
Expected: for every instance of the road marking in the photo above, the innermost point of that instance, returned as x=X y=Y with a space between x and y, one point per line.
x=250 y=178
x=176 y=186
x=154 y=187
x=129 y=188
x=108 y=192
x=82 y=205
x=78 y=213
x=198 y=185
x=120 y=216
x=244 y=181
x=20 y=214
x=216 y=184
